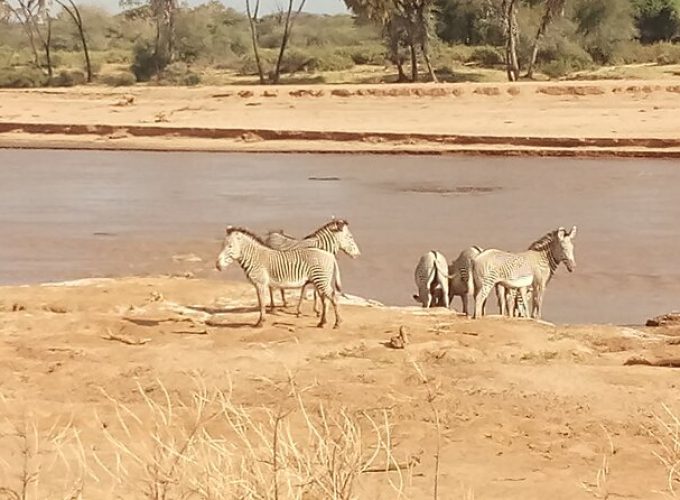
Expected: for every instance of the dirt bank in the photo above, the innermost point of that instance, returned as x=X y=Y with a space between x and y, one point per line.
x=526 y=410
x=622 y=118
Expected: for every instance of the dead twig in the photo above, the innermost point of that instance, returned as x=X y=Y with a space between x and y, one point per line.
x=125 y=339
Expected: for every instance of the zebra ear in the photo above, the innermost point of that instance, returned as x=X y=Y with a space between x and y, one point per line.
x=572 y=233
x=561 y=233
x=228 y=229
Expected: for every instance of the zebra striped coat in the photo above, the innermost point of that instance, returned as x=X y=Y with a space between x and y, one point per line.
x=532 y=268
x=460 y=277
x=432 y=280
x=265 y=267
x=332 y=237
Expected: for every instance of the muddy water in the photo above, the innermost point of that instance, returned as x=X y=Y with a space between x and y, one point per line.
x=72 y=214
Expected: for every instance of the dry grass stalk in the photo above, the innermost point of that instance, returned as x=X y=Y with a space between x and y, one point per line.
x=666 y=433
x=432 y=393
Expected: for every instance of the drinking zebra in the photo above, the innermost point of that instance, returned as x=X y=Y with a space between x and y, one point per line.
x=460 y=277
x=432 y=280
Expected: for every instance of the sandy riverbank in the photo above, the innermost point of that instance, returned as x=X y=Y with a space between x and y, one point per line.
x=527 y=410
x=614 y=118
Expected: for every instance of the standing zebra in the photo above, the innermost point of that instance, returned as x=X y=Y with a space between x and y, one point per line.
x=332 y=237
x=265 y=267
x=534 y=267
x=460 y=278
x=432 y=280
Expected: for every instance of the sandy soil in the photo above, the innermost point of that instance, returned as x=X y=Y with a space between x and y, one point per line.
x=628 y=118
x=527 y=410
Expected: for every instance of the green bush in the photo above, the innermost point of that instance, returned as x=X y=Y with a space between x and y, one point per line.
x=146 y=62
x=334 y=61
x=367 y=55
x=22 y=77
x=118 y=79
x=68 y=78
x=178 y=73
x=454 y=53
x=486 y=56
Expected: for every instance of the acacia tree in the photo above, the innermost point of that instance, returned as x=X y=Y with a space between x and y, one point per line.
x=410 y=21
x=252 y=20
x=552 y=9
x=74 y=13
x=287 y=28
x=511 y=29
x=37 y=23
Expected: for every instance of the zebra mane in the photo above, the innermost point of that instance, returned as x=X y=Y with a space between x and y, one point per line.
x=544 y=241
x=333 y=225
x=247 y=232
x=280 y=232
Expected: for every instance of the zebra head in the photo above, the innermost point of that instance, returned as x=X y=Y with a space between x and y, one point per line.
x=345 y=239
x=231 y=249
x=563 y=247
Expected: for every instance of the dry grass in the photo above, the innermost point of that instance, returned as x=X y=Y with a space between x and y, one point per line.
x=207 y=447
x=666 y=433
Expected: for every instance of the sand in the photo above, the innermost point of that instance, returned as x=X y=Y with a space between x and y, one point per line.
x=527 y=410
x=624 y=118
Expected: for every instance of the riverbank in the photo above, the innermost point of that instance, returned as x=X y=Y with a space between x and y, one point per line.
x=605 y=118
x=525 y=409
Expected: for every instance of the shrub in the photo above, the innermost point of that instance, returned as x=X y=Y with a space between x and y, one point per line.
x=146 y=62
x=454 y=53
x=118 y=79
x=368 y=54
x=68 y=78
x=178 y=73
x=22 y=77
x=330 y=62
x=486 y=56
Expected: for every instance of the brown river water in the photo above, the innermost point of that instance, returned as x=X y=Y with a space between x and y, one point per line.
x=72 y=214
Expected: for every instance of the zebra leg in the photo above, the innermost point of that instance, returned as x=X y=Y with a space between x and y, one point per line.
x=464 y=300
x=500 y=298
x=510 y=298
x=480 y=298
x=298 y=311
x=322 y=321
x=283 y=298
x=334 y=302
x=261 y=306
x=316 y=297
x=525 y=301
x=271 y=298
x=538 y=302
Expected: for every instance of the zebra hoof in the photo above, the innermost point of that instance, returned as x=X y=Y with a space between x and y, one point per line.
x=259 y=324
x=336 y=326
x=321 y=324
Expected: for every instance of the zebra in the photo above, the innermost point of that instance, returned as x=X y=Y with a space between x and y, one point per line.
x=265 y=266
x=432 y=280
x=534 y=268
x=332 y=237
x=460 y=278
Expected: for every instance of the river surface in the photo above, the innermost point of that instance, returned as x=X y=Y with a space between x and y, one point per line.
x=72 y=214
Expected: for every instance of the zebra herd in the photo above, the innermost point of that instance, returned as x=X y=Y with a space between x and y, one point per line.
x=280 y=261
x=520 y=279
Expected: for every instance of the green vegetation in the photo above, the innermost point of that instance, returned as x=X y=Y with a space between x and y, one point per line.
x=163 y=43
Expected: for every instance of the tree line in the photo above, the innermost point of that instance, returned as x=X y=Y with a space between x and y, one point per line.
x=163 y=38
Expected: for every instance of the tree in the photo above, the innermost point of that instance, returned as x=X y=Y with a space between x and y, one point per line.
x=407 y=22
x=287 y=28
x=511 y=29
x=74 y=13
x=552 y=9
x=657 y=20
x=252 y=20
x=37 y=23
